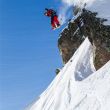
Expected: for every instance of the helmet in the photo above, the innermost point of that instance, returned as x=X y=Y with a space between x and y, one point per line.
x=46 y=9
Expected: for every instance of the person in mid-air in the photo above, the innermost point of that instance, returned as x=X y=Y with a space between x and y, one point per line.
x=54 y=18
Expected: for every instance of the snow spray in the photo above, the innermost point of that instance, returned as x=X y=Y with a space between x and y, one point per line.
x=67 y=5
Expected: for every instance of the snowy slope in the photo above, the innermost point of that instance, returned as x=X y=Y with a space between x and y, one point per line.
x=78 y=86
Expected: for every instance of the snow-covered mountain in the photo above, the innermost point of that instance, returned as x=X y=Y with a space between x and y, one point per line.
x=78 y=86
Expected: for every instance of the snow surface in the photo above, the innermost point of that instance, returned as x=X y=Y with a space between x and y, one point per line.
x=78 y=86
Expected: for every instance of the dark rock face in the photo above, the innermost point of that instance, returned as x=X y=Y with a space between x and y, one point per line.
x=86 y=25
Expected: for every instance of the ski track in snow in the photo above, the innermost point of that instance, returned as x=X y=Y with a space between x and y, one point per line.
x=89 y=90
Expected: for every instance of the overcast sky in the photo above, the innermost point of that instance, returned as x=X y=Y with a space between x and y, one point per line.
x=102 y=7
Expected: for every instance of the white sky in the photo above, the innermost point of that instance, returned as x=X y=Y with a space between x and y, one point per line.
x=100 y=6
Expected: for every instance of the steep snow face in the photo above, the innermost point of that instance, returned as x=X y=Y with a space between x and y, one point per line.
x=78 y=86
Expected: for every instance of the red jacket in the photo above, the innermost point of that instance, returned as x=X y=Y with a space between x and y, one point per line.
x=50 y=13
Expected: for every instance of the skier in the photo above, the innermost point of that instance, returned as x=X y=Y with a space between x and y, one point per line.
x=54 y=18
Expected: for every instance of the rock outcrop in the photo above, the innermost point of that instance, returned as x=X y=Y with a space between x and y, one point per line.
x=86 y=25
